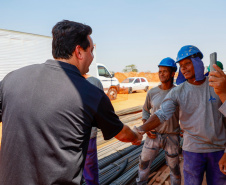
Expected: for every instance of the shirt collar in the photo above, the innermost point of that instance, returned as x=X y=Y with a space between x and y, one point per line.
x=64 y=65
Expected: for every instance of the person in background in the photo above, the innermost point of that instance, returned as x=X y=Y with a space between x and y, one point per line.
x=0 y=122
x=165 y=136
x=204 y=130
x=90 y=172
x=48 y=111
x=219 y=64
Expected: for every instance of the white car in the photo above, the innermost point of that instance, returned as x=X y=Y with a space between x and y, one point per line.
x=134 y=84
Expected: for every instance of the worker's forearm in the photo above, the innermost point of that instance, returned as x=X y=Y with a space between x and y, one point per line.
x=126 y=135
x=144 y=120
x=150 y=124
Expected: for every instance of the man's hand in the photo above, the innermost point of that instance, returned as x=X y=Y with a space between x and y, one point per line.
x=150 y=124
x=222 y=164
x=152 y=134
x=217 y=80
x=129 y=135
x=139 y=136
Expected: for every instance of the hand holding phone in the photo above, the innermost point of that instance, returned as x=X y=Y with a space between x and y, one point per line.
x=213 y=60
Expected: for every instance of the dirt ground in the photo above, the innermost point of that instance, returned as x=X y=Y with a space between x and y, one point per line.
x=151 y=77
x=125 y=101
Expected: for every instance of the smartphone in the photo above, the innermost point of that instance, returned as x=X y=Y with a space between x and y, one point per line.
x=213 y=60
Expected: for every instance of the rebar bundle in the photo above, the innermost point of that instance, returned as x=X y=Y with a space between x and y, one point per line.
x=118 y=161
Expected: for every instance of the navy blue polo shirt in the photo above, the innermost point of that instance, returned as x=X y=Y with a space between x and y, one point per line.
x=48 y=112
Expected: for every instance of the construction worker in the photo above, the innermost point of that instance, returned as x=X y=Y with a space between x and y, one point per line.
x=90 y=172
x=219 y=64
x=204 y=130
x=166 y=136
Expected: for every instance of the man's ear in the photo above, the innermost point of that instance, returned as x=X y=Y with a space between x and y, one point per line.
x=172 y=74
x=78 y=52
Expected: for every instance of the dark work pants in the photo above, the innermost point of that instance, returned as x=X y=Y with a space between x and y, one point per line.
x=195 y=164
x=90 y=172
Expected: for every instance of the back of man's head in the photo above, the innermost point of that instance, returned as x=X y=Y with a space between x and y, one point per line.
x=66 y=36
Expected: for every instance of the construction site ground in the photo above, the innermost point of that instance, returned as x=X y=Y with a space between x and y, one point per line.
x=125 y=101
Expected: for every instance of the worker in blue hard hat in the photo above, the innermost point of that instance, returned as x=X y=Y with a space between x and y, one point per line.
x=166 y=136
x=195 y=55
x=204 y=129
x=219 y=64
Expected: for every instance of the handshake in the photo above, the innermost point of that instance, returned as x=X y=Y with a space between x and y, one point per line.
x=139 y=136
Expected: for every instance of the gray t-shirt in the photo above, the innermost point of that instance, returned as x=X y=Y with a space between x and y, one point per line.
x=154 y=98
x=202 y=122
x=97 y=83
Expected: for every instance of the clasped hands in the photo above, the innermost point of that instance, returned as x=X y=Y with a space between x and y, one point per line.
x=139 y=135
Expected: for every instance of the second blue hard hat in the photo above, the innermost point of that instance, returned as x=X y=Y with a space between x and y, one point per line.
x=188 y=51
x=168 y=62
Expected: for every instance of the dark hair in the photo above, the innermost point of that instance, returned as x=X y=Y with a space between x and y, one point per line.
x=171 y=71
x=66 y=36
x=196 y=55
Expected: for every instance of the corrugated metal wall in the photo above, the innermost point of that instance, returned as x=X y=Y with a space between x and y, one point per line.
x=21 y=49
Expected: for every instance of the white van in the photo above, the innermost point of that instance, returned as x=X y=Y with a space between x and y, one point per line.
x=109 y=82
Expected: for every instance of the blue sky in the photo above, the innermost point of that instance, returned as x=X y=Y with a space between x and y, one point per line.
x=129 y=31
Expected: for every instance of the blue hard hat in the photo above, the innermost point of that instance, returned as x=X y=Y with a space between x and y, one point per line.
x=168 y=62
x=187 y=51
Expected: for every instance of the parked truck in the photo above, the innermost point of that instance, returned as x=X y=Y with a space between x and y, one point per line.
x=18 y=49
x=109 y=82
